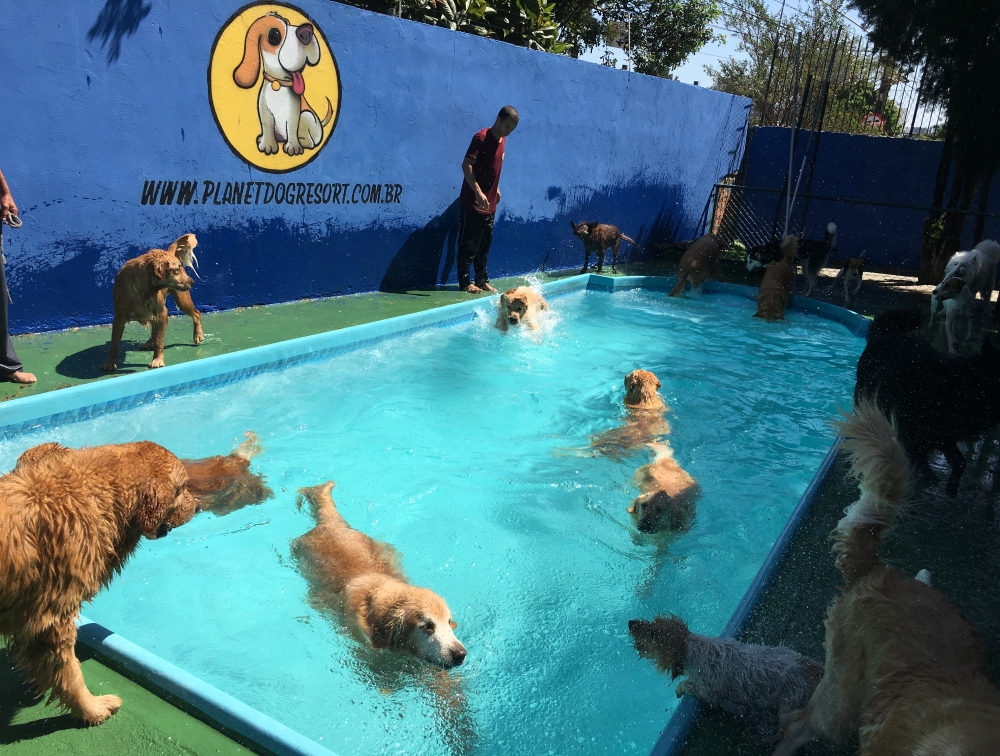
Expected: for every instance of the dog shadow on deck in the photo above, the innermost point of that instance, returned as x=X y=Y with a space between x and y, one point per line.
x=15 y=695
x=86 y=364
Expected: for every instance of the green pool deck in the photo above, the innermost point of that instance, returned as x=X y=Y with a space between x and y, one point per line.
x=150 y=724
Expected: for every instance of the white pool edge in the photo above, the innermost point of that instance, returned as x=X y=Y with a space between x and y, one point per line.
x=88 y=400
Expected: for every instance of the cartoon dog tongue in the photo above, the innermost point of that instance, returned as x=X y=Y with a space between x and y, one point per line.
x=298 y=83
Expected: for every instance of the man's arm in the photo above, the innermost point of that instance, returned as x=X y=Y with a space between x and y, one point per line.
x=470 y=179
x=7 y=204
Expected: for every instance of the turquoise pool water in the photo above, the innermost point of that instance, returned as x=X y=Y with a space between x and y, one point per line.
x=446 y=444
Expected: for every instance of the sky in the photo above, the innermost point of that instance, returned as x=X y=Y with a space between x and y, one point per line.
x=692 y=70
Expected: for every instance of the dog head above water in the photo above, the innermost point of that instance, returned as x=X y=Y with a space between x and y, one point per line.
x=640 y=390
x=658 y=510
x=515 y=303
x=406 y=618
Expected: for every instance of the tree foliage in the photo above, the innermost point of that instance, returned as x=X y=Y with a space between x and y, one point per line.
x=663 y=32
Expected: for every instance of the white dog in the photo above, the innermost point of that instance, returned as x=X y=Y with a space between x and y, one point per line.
x=954 y=295
x=977 y=267
x=285 y=116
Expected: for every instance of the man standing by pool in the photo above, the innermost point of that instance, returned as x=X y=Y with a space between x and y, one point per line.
x=479 y=198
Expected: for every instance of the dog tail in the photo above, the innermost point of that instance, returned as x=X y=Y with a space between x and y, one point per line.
x=629 y=239
x=789 y=246
x=883 y=471
x=249 y=448
x=321 y=503
x=894 y=321
x=329 y=113
x=664 y=641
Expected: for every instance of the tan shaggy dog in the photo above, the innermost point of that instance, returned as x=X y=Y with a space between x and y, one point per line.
x=669 y=494
x=644 y=421
x=904 y=669
x=69 y=518
x=362 y=580
x=520 y=306
x=223 y=484
x=696 y=262
x=776 y=285
x=596 y=238
x=140 y=294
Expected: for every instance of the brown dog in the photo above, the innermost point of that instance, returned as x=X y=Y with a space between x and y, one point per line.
x=644 y=422
x=520 y=306
x=69 y=519
x=597 y=237
x=776 y=285
x=668 y=494
x=904 y=669
x=140 y=292
x=695 y=263
x=361 y=579
x=224 y=484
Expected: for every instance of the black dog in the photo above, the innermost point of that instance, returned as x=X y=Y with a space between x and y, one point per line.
x=811 y=254
x=937 y=400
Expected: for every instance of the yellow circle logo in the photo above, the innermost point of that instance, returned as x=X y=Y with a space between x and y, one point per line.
x=274 y=87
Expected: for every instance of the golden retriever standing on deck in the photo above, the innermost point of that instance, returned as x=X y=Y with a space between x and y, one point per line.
x=361 y=578
x=644 y=422
x=776 y=286
x=69 y=519
x=520 y=305
x=695 y=263
x=904 y=669
x=140 y=294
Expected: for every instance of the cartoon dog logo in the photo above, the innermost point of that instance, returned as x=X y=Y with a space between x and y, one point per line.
x=273 y=51
x=285 y=115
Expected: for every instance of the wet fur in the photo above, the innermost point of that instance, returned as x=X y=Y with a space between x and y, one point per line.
x=361 y=579
x=140 y=291
x=596 y=238
x=223 y=484
x=644 y=420
x=697 y=260
x=668 y=494
x=520 y=306
x=69 y=520
x=722 y=670
x=776 y=286
x=904 y=669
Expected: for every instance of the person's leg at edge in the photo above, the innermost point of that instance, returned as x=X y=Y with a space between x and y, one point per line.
x=479 y=261
x=11 y=368
x=469 y=240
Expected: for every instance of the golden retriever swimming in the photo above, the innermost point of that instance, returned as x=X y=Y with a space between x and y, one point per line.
x=361 y=578
x=223 y=484
x=904 y=669
x=520 y=306
x=644 y=421
x=69 y=519
x=668 y=494
x=776 y=285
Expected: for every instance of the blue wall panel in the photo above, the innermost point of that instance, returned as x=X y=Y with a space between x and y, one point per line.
x=100 y=97
x=853 y=166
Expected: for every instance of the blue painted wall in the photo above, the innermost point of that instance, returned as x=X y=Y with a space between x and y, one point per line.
x=880 y=169
x=102 y=96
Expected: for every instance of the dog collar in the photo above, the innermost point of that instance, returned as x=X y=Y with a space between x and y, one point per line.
x=297 y=83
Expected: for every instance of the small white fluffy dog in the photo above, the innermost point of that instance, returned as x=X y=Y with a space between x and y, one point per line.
x=285 y=116
x=953 y=294
x=977 y=267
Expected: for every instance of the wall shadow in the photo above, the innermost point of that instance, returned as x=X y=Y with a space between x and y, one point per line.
x=118 y=19
x=416 y=264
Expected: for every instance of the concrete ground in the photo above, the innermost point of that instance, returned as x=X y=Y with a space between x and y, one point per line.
x=954 y=539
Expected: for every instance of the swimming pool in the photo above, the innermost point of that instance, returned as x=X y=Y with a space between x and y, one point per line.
x=445 y=443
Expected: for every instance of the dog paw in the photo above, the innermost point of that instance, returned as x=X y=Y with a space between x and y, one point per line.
x=147 y=347
x=109 y=367
x=100 y=708
x=293 y=149
x=267 y=145
x=199 y=336
x=157 y=362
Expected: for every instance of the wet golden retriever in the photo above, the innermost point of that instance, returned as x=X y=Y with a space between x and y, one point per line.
x=776 y=285
x=223 y=484
x=140 y=293
x=69 y=519
x=668 y=494
x=904 y=669
x=520 y=306
x=695 y=263
x=644 y=421
x=362 y=580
